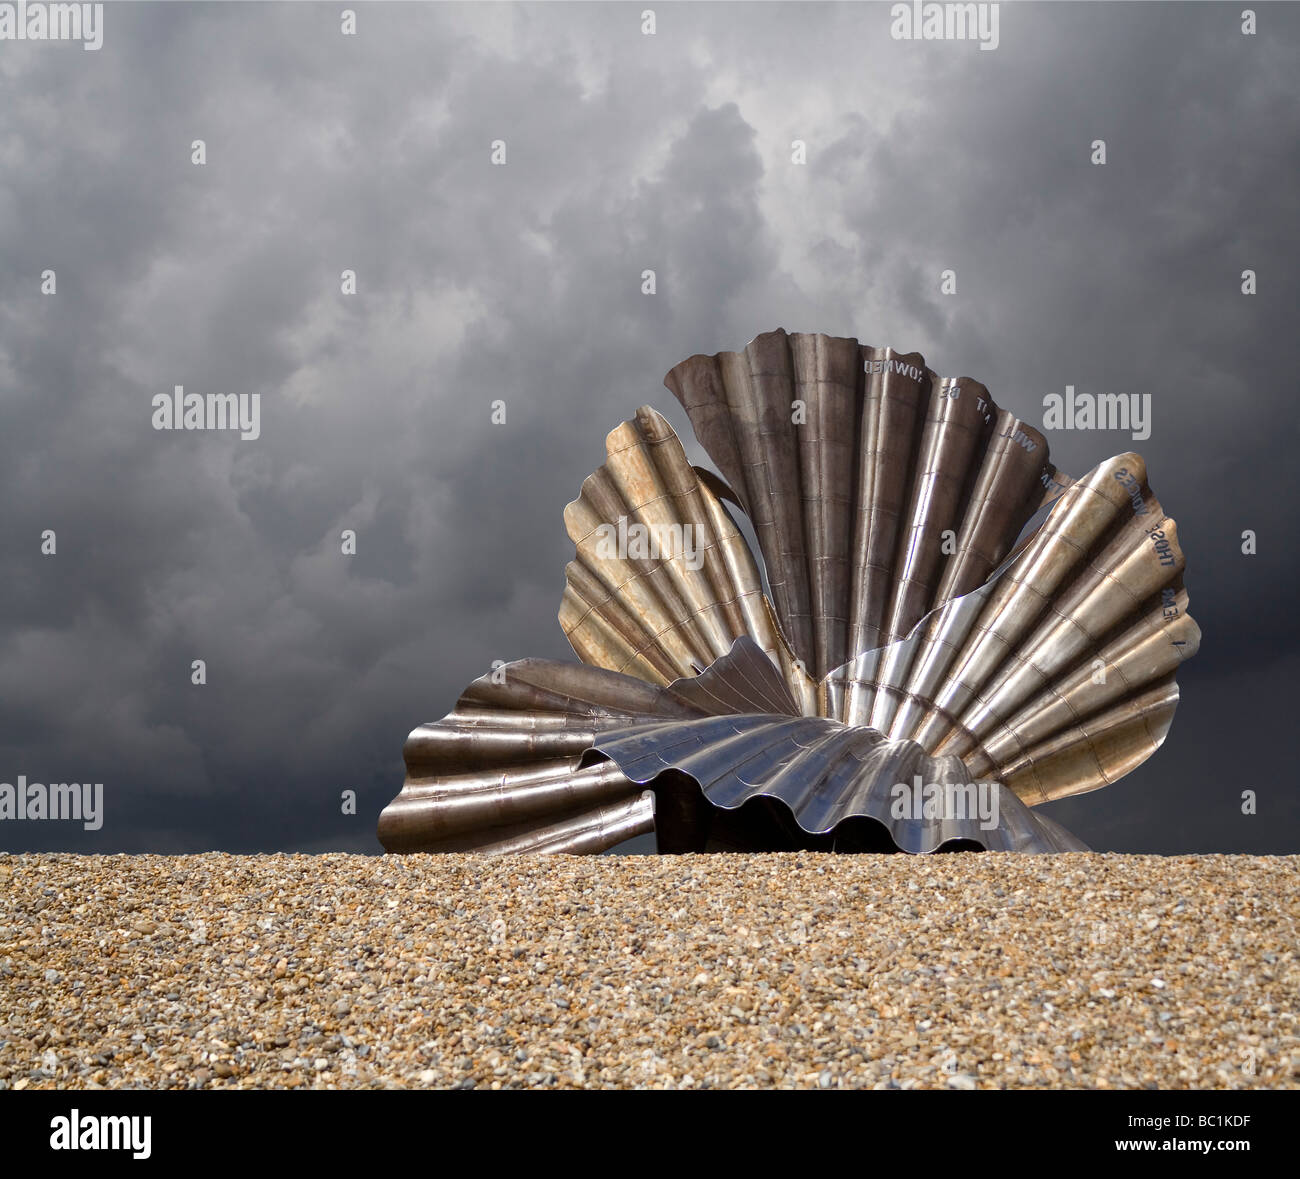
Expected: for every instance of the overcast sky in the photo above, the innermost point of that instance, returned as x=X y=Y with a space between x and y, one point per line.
x=522 y=283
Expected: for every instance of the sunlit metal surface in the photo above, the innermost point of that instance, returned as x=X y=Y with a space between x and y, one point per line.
x=680 y=585
x=504 y=771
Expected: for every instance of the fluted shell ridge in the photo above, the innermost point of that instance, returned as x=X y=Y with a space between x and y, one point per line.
x=504 y=772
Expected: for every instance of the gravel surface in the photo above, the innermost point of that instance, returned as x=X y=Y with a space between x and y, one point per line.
x=953 y=971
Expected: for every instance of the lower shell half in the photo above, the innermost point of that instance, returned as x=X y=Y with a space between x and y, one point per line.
x=546 y=756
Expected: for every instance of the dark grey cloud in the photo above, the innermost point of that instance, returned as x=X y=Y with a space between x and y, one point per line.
x=522 y=283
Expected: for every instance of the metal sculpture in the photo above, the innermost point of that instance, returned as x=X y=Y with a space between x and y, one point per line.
x=956 y=631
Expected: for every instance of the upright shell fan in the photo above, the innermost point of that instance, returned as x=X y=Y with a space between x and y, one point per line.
x=956 y=631
x=877 y=490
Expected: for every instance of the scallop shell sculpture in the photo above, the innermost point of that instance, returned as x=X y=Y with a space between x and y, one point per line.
x=951 y=631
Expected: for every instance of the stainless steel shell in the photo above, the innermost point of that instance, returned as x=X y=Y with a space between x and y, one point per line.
x=946 y=609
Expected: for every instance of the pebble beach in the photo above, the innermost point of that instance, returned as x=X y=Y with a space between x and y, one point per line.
x=964 y=971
